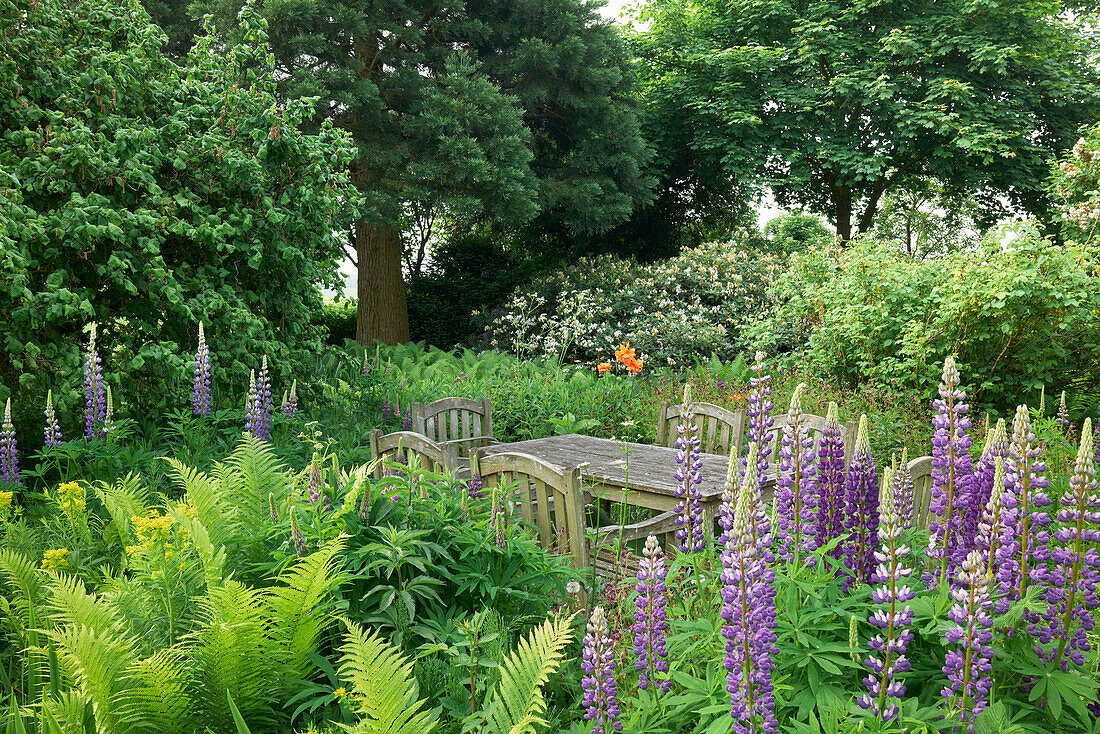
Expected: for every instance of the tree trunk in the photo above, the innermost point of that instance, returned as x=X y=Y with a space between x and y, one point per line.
x=383 y=313
x=842 y=204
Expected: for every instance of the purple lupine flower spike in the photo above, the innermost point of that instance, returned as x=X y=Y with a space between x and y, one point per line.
x=95 y=397
x=263 y=400
x=252 y=407
x=315 y=479
x=893 y=618
x=1028 y=500
x=830 y=482
x=796 y=483
x=200 y=398
x=689 y=474
x=366 y=365
x=903 y=490
x=968 y=665
x=952 y=472
x=300 y=545
x=996 y=535
x=1063 y=412
x=290 y=402
x=649 y=618
x=407 y=420
x=748 y=613
x=9 y=450
x=387 y=411
x=760 y=421
x=598 y=662
x=1096 y=437
x=52 y=430
x=475 y=488
x=996 y=447
x=861 y=510
x=1074 y=571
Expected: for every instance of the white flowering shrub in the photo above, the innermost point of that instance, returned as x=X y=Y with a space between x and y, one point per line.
x=692 y=305
x=1077 y=187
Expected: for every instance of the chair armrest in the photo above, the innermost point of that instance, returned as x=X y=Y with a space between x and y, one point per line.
x=663 y=523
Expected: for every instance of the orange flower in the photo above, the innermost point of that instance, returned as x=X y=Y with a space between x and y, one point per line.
x=603 y=367
x=623 y=353
x=633 y=366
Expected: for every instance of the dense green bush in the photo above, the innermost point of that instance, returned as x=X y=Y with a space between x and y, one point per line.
x=690 y=306
x=148 y=197
x=1017 y=315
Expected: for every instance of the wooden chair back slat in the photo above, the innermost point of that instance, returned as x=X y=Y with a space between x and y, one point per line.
x=548 y=497
x=920 y=469
x=467 y=422
x=720 y=430
x=430 y=455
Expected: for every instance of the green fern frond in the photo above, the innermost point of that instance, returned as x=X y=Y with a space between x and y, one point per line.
x=247 y=476
x=516 y=705
x=97 y=663
x=293 y=606
x=231 y=655
x=26 y=580
x=382 y=684
x=204 y=493
x=64 y=713
x=158 y=696
x=211 y=556
x=72 y=605
x=126 y=499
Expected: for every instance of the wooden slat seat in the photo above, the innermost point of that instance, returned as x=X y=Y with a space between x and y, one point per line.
x=546 y=496
x=464 y=423
x=719 y=429
x=430 y=455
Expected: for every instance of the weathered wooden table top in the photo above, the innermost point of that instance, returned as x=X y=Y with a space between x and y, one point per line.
x=650 y=469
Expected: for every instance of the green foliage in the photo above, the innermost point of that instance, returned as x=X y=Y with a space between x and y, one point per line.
x=833 y=104
x=1076 y=187
x=182 y=194
x=795 y=232
x=1018 y=316
x=690 y=306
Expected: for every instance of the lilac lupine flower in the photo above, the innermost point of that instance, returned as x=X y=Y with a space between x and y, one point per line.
x=887 y=659
x=996 y=448
x=1028 y=501
x=315 y=479
x=796 y=483
x=952 y=471
x=748 y=612
x=407 y=420
x=598 y=662
x=996 y=532
x=1063 y=412
x=760 y=421
x=830 y=482
x=108 y=414
x=9 y=450
x=968 y=665
x=300 y=545
x=95 y=398
x=649 y=618
x=290 y=402
x=387 y=411
x=1074 y=570
x=903 y=491
x=200 y=397
x=689 y=474
x=1096 y=437
x=263 y=402
x=252 y=406
x=861 y=510
x=52 y=430
x=366 y=365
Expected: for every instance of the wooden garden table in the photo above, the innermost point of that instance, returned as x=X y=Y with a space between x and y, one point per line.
x=641 y=475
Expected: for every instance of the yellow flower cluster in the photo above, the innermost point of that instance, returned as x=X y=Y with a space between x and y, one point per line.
x=72 y=499
x=6 y=510
x=55 y=559
x=153 y=530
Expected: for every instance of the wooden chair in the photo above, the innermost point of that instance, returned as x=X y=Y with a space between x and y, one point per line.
x=817 y=427
x=920 y=469
x=719 y=429
x=460 y=422
x=548 y=497
x=431 y=456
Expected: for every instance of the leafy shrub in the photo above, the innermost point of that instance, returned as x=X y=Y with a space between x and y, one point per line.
x=181 y=194
x=1018 y=315
x=1076 y=187
x=338 y=319
x=693 y=305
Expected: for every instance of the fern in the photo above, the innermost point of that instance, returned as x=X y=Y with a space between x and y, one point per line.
x=230 y=654
x=126 y=499
x=64 y=713
x=382 y=683
x=158 y=695
x=205 y=494
x=22 y=575
x=211 y=556
x=247 y=476
x=296 y=624
x=516 y=705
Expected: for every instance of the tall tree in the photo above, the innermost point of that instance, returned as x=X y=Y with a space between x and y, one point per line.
x=500 y=109
x=835 y=103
